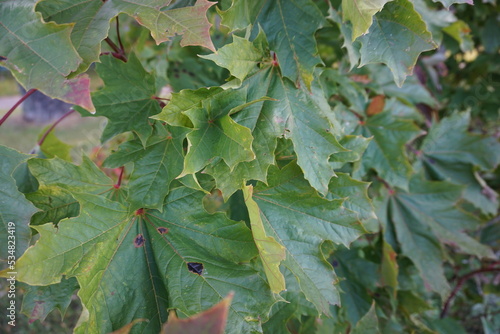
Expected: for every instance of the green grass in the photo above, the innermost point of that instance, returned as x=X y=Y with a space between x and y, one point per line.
x=81 y=133
x=8 y=86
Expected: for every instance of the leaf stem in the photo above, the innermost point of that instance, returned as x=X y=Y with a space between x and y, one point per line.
x=11 y=110
x=418 y=153
x=461 y=282
x=386 y=185
x=120 y=177
x=49 y=130
x=118 y=36
x=118 y=53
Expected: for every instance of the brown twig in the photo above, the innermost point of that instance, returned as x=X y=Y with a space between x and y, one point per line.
x=11 y=110
x=49 y=130
x=461 y=282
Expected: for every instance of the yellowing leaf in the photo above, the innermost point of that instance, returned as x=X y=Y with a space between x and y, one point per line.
x=271 y=252
x=360 y=13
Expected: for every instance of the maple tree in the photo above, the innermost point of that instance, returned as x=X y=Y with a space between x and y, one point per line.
x=297 y=165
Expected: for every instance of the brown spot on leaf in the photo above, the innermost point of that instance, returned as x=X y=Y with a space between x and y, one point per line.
x=195 y=267
x=162 y=230
x=139 y=241
x=37 y=312
x=364 y=79
x=376 y=105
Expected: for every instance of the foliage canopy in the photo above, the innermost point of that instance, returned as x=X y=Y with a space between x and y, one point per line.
x=279 y=152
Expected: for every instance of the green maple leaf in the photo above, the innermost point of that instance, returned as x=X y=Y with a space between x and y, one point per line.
x=39 y=301
x=86 y=178
x=166 y=259
x=448 y=3
x=40 y=55
x=59 y=180
x=91 y=22
x=359 y=277
x=360 y=13
x=356 y=145
x=55 y=204
x=299 y=219
x=186 y=99
x=127 y=97
x=239 y=57
x=426 y=216
x=368 y=324
x=352 y=46
x=155 y=166
x=53 y=146
x=294 y=114
x=386 y=152
x=296 y=307
x=450 y=151
x=216 y=134
x=435 y=20
x=15 y=209
x=289 y=27
x=343 y=186
x=396 y=38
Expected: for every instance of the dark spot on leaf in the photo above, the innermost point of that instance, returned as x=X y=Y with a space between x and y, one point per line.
x=139 y=212
x=335 y=263
x=191 y=74
x=139 y=241
x=195 y=267
x=176 y=75
x=184 y=70
x=176 y=70
x=162 y=230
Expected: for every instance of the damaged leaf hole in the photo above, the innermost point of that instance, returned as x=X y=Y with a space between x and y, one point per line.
x=195 y=267
x=139 y=241
x=162 y=230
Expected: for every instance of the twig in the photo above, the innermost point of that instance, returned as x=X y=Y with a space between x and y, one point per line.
x=49 y=130
x=11 y=110
x=460 y=282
